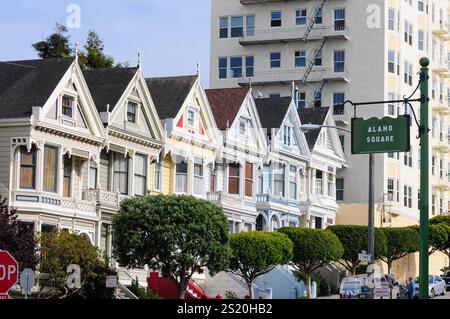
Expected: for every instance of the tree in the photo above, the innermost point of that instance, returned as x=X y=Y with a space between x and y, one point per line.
x=443 y=220
x=176 y=234
x=438 y=239
x=17 y=238
x=354 y=239
x=257 y=253
x=57 y=45
x=313 y=248
x=61 y=249
x=94 y=57
x=401 y=241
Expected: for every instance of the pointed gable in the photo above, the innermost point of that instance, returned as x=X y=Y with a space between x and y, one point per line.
x=26 y=84
x=272 y=111
x=225 y=104
x=316 y=115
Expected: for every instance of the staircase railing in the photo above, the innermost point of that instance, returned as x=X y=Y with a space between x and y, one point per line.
x=312 y=58
x=310 y=102
x=312 y=18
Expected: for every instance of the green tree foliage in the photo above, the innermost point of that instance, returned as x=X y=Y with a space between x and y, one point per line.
x=313 y=248
x=57 y=45
x=61 y=249
x=95 y=285
x=440 y=219
x=17 y=238
x=443 y=220
x=438 y=239
x=94 y=57
x=257 y=253
x=354 y=239
x=401 y=241
x=176 y=234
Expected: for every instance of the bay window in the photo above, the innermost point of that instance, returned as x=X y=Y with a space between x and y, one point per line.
x=248 y=179
x=279 y=180
x=158 y=176
x=140 y=175
x=50 y=169
x=198 y=177
x=27 y=168
x=67 y=176
x=181 y=177
x=212 y=180
x=120 y=176
x=92 y=176
x=233 y=179
x=293 y=182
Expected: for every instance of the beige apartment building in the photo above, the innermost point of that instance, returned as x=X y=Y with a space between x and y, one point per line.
x=326 y=52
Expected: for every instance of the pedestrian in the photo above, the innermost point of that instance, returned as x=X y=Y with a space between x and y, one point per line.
x=411 y=287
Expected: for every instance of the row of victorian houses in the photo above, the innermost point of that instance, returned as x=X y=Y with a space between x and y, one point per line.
x=74 y=143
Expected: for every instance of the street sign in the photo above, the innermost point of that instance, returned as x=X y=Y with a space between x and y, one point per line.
x=3 y=297
x=111 y=281
x=382 y=290
x=9 y=272
x=27 y=280
x=384 y=135
x=363 y=256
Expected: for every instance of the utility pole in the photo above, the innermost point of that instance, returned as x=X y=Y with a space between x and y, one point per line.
x=371 y=223
x=424 y=186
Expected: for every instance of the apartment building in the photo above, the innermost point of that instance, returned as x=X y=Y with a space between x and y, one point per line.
x=325 y=52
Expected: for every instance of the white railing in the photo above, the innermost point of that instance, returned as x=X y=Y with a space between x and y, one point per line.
x=104 y=197
x=220 y=196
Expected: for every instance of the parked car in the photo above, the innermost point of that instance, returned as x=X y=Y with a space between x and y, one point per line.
x=436 y=286
x=356 y=287
x=446 y=277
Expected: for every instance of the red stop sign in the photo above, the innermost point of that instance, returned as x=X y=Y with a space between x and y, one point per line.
x=9 y=272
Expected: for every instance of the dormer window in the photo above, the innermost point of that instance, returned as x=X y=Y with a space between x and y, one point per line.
x=131 y=112
x=67 y=106
x=243 y=127
x=287 y=136
x=191 y=117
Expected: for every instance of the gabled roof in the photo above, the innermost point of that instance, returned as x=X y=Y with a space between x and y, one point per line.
x=272 y=110
x=313 y=115
x=25 y=84
x=108 y=85
x=225 y=104
x=169 y=93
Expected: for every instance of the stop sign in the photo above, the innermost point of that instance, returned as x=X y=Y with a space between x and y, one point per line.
x=9 y=272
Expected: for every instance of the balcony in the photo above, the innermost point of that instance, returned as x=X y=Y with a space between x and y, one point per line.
x=30 y=200
x=441 y=67
x=440 y=29
x=440 y=104
x=337 y=31
x=288 y=76
x=267 y=200
x=104 y=198
x=229 y=200
x=440 y=182
x=440 y=143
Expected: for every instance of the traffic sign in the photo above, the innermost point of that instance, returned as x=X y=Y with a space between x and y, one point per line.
x=111 y=281
x=9 y=272
x=363 y=256
x=27 y=280
x=381 y=135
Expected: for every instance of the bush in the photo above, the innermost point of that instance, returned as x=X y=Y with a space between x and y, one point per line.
x=141 y=292
x=95 y=285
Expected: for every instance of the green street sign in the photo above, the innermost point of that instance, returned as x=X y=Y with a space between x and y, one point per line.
x=384 y=135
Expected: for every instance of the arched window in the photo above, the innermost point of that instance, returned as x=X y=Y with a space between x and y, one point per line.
x=260 y=223
x=27 y=168
x=275 y=224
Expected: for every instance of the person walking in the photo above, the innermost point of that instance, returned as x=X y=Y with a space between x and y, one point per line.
x=411 y=288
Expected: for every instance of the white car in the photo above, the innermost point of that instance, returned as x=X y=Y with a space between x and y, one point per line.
x=436 y=286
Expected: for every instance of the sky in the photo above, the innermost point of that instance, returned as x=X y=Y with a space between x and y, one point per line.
x=172 y=36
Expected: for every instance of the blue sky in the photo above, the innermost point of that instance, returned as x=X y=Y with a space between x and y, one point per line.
x=172 y=35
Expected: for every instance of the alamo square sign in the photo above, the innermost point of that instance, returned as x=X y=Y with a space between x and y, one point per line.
x=384 y=135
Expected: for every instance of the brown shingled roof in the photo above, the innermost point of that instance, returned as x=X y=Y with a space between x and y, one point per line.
x=225 y=104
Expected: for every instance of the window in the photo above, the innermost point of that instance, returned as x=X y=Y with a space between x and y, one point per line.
x=420 y=6
x=27 y=168
x=275 y=19
x=120 y=177
x=318 y=58
x=67 y=106
x=198 y=176
x=233 y=179
x=223 y=66
x=433 y=204
x=275 y=59
x=181 y=170
x=300 y=17
x=250 y=25
x=301 y=99
x=223 y=27
x=391 y=61
x=287 y=135
x=248 y=179
x=342 y=140
x=339 y=19
x=338 y=101
x=421 y=40
x=391 y=106
x=92 y=176
x=408 y=75
x=237 y=27
x=398 y=63
x=293 y=182
x=131 y=112
x=339 y=61
x=390 y=188
x=279 y=180
x=391 y=19
x=212 y=180
x=67 y=176
x=274 y=95
x=407 y=159
x=319 y=182
x=236 y=67
x=140 y=175
x=330 y=185
x=397 y=189
x=300 y=59
x=318 y=99
x=249 y=66
x=158 y=176
x=243 y=127
x=407 y=196
x=319 y=16
x=433 y=165
x=339 y=189
x=408 y=32
x=50 y=169
x=191 y=117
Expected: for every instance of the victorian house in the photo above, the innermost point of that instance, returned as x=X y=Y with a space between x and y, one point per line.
x=192 y=140
x=241 y=163
x=323 y=189
x=283 y=177
x=50 y=136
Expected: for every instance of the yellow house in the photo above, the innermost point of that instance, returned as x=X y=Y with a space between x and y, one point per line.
x=192 y=140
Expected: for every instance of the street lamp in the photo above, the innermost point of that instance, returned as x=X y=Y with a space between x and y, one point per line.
x=312 y=127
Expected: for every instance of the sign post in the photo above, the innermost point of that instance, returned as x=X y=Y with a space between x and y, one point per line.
x=9 y=273
x=27 y=281
x=424 y=187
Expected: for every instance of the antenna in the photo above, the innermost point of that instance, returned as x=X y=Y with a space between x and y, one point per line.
x=198 y=68
x=139 y=60
x=76 y=51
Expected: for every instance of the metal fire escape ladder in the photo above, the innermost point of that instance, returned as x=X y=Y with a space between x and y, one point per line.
x=312 y=97
x=312 y=18
x=312 y=57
